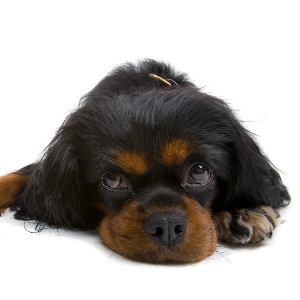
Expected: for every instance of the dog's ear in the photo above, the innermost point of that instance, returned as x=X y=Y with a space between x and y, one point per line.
x=254 y=180
x=55 y=193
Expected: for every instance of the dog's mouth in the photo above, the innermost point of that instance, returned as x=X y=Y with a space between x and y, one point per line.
x=161 y=235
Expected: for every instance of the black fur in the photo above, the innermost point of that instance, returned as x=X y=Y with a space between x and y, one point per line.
x=130 y=109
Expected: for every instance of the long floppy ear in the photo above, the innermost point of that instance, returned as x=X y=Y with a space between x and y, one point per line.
x=254 y=181
x=247 y=210
x=55 y=193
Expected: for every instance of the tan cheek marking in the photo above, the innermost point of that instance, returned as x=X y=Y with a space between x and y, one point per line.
x=124 y=233
x=132 y=163
x=201 y=236
x=175 y=152
x=10 y=186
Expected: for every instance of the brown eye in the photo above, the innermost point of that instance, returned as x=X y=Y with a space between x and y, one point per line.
x=198 y=174
x=113 y=181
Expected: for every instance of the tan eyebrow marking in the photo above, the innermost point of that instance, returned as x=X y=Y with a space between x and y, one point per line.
x=132 y=163
x=176 y=151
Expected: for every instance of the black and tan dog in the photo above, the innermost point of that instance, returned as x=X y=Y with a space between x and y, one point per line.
x=163 y=171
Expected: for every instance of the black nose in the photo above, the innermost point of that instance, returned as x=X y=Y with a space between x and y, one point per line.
x=166 y=228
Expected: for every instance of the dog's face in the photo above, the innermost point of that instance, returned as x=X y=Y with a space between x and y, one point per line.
x=154 y=162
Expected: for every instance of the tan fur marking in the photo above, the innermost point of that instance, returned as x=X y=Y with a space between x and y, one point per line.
x=255 y=220
x=2 y=211
x=175 y=152
x=132 y=163
x=10 y=186
x=222 y=221
x=124 y=233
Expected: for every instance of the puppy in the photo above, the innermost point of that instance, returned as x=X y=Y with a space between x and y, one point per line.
x=161 y=169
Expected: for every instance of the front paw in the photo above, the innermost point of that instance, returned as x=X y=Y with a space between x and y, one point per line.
x=242 y=226
x=11 y=185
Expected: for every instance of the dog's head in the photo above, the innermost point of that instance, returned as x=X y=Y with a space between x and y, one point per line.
x=156 y=173
x=155 y=158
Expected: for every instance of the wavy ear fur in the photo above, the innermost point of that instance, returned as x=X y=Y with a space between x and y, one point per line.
x=254 y=181
x=56 y=194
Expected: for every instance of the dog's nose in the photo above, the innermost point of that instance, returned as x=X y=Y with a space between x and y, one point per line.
x=166 y=228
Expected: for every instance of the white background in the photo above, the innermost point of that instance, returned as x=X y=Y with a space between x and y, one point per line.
x=53 y=52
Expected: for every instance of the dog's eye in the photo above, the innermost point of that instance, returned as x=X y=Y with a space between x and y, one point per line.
x=198 y=174
x=113 y=181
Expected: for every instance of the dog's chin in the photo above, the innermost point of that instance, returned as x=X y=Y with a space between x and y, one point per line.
x=124 y=234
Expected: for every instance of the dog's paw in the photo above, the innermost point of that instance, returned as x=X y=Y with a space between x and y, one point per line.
x=242 y=226
x=10 y=186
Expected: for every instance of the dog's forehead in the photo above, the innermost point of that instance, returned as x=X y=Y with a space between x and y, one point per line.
x=165 y=127
x=168 y=153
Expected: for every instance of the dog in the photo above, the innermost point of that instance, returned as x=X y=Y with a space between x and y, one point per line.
x=161 y=169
